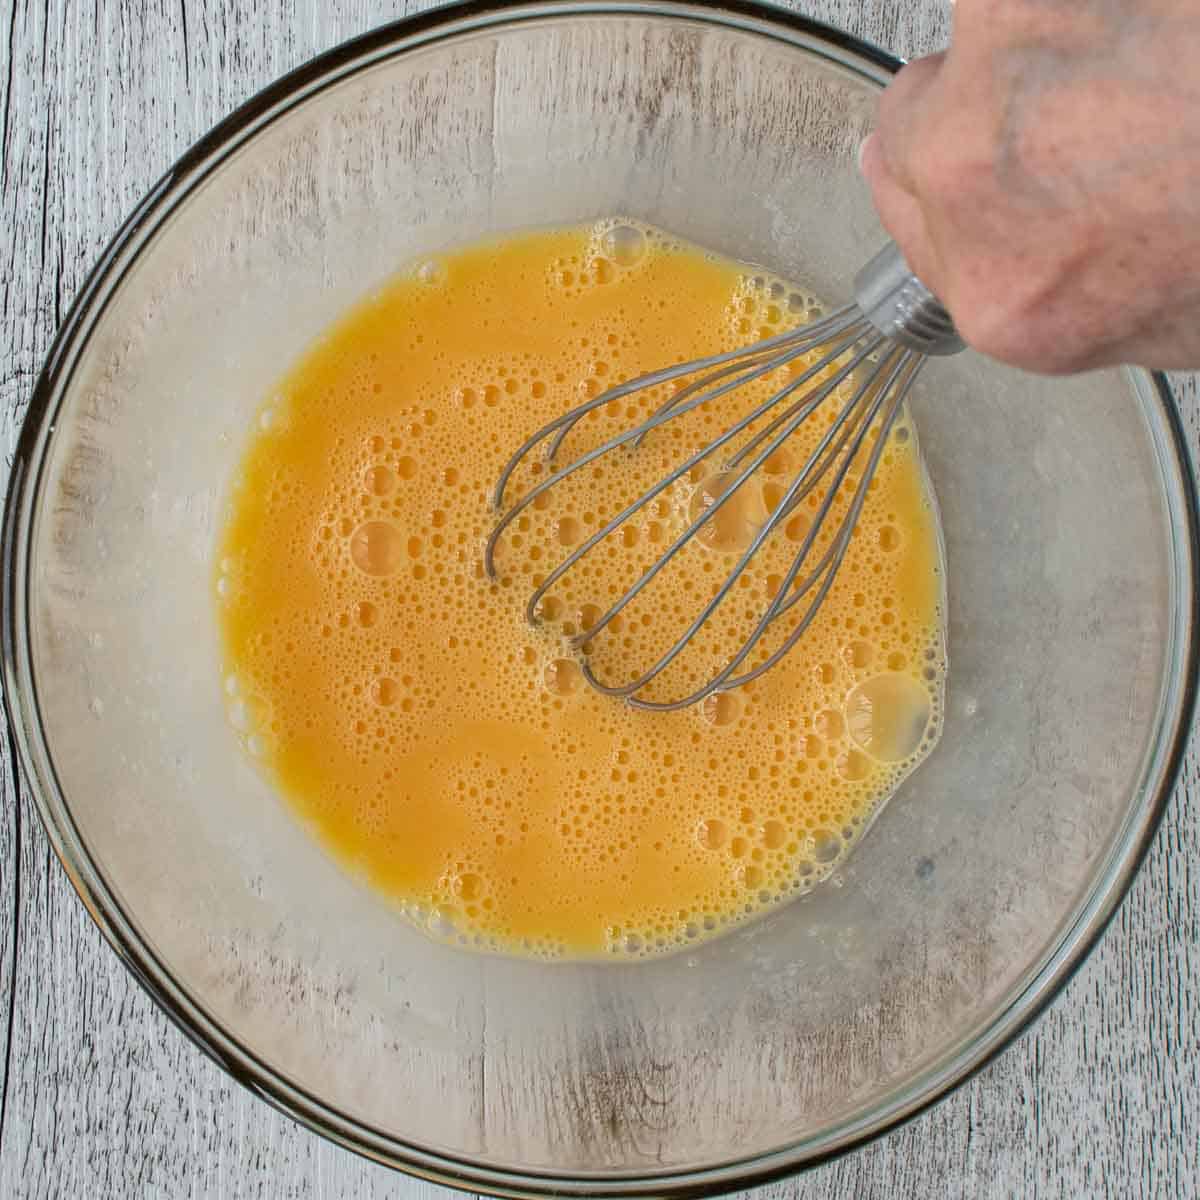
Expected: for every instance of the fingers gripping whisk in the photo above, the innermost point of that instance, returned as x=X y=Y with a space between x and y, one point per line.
x=845 y=375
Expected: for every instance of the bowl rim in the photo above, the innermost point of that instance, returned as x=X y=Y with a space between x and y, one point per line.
x=1041 y=983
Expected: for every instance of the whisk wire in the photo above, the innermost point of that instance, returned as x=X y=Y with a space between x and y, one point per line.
x=854 y=406
x=533 y=606
x=836 y=325
x=885 y=334
x=828 y=450
x=794 y=342
x=723 y=680
x=913 y=363
x=818 y=396
x=570 y=419
x=693 y=527
x=902 y=361
x=634 y=435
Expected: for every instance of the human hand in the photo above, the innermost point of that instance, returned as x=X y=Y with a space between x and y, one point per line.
x=1042 y=177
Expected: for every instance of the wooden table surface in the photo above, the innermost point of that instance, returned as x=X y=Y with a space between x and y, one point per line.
x=101 y=1095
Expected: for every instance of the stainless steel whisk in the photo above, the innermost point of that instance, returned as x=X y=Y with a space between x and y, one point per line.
x=885 y=334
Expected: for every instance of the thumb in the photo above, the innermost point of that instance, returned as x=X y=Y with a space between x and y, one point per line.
x=900 y=212
x=901 y=122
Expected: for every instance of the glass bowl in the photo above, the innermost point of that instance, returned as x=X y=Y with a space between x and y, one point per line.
x=1070 y=529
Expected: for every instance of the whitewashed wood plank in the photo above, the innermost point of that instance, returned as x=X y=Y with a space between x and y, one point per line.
x=102 y=1096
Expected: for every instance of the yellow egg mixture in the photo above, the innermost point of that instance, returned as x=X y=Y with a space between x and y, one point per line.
x=450 y=752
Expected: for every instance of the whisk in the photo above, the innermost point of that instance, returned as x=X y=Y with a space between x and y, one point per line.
x=882 y=338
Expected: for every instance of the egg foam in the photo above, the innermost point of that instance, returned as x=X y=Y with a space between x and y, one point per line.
x=448 y=751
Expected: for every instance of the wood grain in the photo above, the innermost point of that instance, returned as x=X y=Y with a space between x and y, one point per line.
x=101 y=1096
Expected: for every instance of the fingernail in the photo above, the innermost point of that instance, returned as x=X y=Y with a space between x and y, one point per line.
x=862 y=148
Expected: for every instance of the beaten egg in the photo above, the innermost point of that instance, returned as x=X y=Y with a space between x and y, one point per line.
x=451 y=753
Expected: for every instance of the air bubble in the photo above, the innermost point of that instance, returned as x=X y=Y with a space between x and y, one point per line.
x=772 y=496
x=549 y=608
x=431 y=271
x=379 y=481
x=752 y=877
x=829 y=724
x=468 y=887
x=722 y=709
x=888 y=715
x=796 y=530
x=773 y=834
x=377 y=548
x=826 y=845
x=730 y=528
x=889 y=539
x=587 y=616
x=854 y=766
x=567 y=530
x=859 y=654
x=562 y=677
x=626 y=244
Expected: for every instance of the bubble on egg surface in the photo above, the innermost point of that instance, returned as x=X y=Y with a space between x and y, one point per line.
x=380 y=481
x=888 y=716
x=733 y=515
x=377 y=548
x=626 y=244
x=722 y=708
x=562 y=677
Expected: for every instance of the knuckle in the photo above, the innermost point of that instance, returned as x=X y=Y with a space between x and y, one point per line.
x=993 y=322
x=957 y=169
x=1015 y=334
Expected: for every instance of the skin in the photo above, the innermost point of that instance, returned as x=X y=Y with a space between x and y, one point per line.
x=1042 y=177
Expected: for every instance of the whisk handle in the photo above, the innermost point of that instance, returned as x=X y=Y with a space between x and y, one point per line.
x=901 y=307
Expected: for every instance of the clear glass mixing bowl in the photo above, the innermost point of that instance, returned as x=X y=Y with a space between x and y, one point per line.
x=1070 y=531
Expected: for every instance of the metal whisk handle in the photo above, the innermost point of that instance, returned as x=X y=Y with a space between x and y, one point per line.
x=901 y=307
